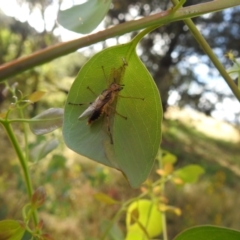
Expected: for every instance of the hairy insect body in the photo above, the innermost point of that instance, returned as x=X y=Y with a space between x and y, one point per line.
x=101 y=103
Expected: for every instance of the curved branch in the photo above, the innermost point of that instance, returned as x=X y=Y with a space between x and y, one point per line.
x=42 y=56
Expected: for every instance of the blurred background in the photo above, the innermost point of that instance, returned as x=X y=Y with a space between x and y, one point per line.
x=201 y=117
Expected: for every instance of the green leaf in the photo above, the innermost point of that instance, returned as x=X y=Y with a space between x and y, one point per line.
x=47 y=121
x=143 y=220
x=114 y=233
x=101 y=197
x=42 y=149
x=234 y=71
x=85 y=17
x=36 y=96
x=57 y=162
x=137 y=138
x=209 y=233
x=11 y=230
x=168 y=157
x=190 y=173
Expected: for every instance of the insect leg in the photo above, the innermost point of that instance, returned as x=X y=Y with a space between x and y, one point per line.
x=79 y=104
x=108 y=127
x=119 y=114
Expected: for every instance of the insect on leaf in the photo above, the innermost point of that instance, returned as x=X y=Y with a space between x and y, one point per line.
x=135 y=124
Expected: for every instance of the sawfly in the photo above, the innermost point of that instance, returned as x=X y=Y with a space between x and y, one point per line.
x=102 y=105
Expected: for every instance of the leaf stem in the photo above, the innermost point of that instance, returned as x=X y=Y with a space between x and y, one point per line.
x=32 y=120
x=23 y=163
x=203 y=43
x=162 y=186
x=125 y=205
x=42 y=56
x=25 y=136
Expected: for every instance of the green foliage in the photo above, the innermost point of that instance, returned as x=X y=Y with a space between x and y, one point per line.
x=127 y=137
x=234 y=70
x=190 y=173
x=135 y=139
x=42 y=149
x=101 y=197
x=167 y=157
x=143 y=220
x=84 y=18
x=11 y=230
x=209 y=233
x=47 y=121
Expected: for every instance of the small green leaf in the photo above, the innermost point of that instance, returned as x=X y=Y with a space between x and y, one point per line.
x=57 y=162
x=209 y=233
x=85 y=17
x=137 y=135
x=143 y=220
x=234 y=71
x=38 y=197
x=3 y=114
x=101 y=197
x=190 y=173
x=168 y=157
x=116 y=233
x=42 y=149
x=47 y=121
x=11 y=230
x=36 y=96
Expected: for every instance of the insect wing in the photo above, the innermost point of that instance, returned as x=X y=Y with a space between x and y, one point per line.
x=87 y=112
x=90 y=109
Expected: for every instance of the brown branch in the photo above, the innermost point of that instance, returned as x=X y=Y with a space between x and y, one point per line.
x=42 y=56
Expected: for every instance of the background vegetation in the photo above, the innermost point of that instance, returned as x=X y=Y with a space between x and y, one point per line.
x=174 y=58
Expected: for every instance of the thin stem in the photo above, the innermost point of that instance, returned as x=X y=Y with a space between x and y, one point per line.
x=162 y=185
x=23 y=164
x=203 y=43
x=32 y=120
x=114 y=219
x=25 y=136
x=178 y=5
x=125 y=204
x=22 y=64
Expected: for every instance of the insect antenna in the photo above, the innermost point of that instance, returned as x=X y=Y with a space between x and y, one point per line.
x=106 y=79
x=92 y=91
x=131 y=97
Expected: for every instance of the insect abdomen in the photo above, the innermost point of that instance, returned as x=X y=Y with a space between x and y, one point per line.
x=96 y=114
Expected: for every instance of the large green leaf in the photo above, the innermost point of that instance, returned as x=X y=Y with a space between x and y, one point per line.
x=84 y=18
x=209 y=233
x=136 y=140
